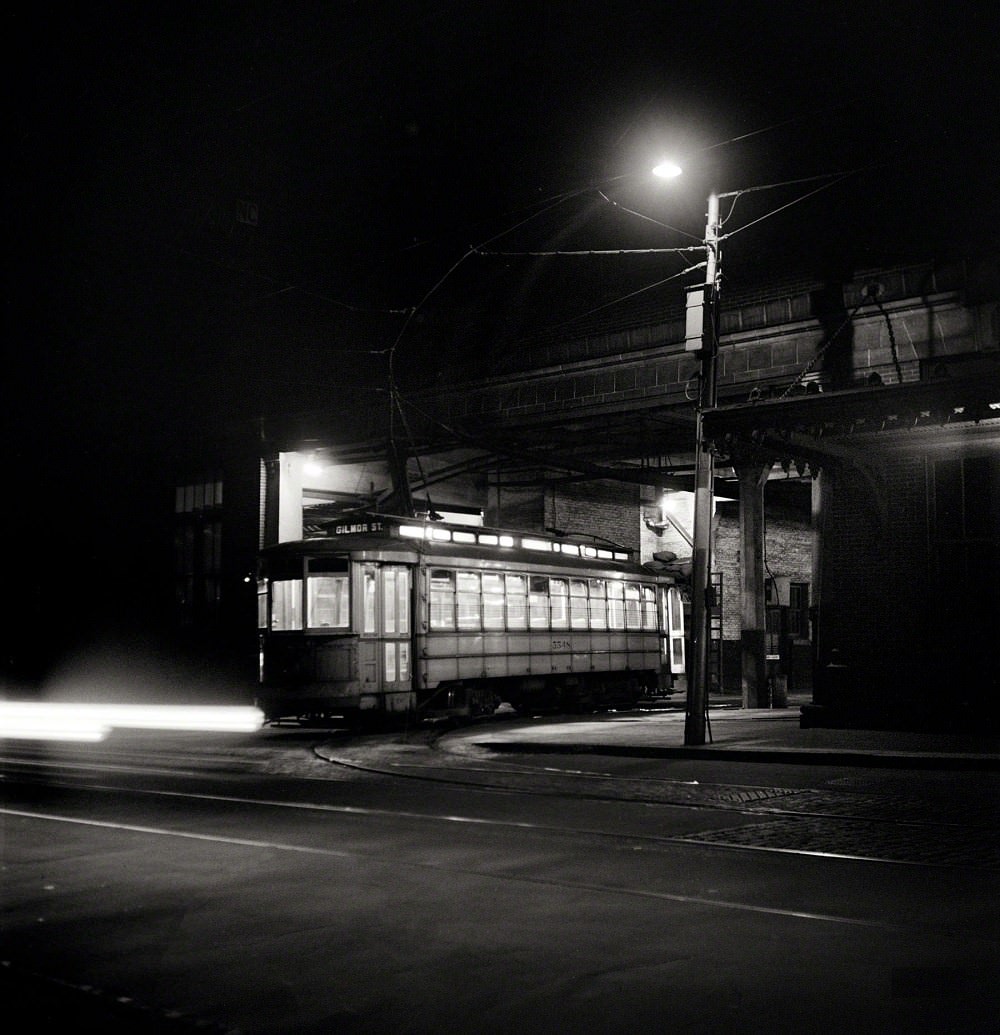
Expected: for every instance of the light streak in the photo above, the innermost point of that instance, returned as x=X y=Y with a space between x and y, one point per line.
x=74 y=721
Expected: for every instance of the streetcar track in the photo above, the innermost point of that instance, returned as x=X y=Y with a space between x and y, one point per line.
x=822 y=822
x=726 y=838
x=724 y=797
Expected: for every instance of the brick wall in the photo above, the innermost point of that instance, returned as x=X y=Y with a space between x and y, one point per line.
x=788 y=553
x=606 y=509
x=602 y=508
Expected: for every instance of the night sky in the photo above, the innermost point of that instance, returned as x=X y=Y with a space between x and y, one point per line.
x=219 y=212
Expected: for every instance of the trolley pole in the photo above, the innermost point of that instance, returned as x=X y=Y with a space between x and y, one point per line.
x=701 y=559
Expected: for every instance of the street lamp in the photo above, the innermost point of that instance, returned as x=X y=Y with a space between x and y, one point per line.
x=701 y=337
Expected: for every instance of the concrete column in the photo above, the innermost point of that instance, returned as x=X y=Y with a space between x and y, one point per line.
x=289 y=497
x=822 y=487
x=753 y=617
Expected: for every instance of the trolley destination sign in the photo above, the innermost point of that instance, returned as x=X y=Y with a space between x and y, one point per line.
x=357 y=528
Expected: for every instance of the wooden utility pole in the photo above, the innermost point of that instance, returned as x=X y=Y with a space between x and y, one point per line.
x=701 y=554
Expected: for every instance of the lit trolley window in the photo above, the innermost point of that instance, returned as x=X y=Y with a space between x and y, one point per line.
x=395 y=600
x=286 y=605
x=538 y=602
x=368 y=600
x=598 y=604
x=468 y=600
x=328 y=602
x=559 y=603
x=633 y=610
x=578 y=616
x=396 y=655
x=648 y=607
x=616 y=605
x=442 y=599
x=492 y=539
x=517 y=602
x=493 y=601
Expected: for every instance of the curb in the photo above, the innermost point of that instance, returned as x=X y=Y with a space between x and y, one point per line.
x=788 y=756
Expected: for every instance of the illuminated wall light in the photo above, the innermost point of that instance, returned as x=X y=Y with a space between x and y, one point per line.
x=313 y=467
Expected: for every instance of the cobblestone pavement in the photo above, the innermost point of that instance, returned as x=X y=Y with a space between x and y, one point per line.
x=926 y=845
x=850 y=823
x=899 y=808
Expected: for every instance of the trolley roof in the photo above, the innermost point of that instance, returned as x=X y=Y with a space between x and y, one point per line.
x=381 y=534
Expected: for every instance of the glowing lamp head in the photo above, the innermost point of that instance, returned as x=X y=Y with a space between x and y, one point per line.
x=667 y=170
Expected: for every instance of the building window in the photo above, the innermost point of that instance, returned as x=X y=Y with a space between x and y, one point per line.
x=198 y=553
x=798 y=610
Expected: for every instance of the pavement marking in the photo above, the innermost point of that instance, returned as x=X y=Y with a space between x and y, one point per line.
x=694 y=900
x=163 y=831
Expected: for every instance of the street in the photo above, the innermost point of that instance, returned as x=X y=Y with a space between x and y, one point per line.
x=304 y=881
